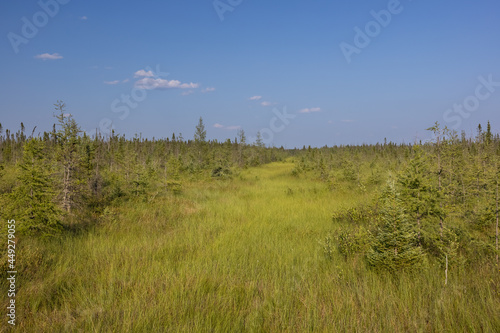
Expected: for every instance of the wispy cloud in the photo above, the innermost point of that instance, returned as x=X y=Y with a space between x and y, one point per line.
x=208 y=89
x=187 y=93
x=116 y=82
x=255 y=98
x=143 y=73
x=48 y=56
x=347 y=120
x=230 y=128
x=265 y=103
x=309 y=110
x=148 y=80
x=84 y=18
x=149 y=84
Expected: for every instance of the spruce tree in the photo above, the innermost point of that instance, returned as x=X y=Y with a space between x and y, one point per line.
x=241 y=146
x=396 y=245
x=420 y=197
x=33 y=201
x=68 y=156
x=200 y=135
x=259 y=142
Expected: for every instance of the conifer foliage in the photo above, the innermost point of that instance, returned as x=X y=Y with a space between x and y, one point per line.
x=33 y=200
x=67 y=178
x=396 y=244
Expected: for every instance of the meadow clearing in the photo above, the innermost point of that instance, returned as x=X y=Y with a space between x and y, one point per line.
x=235 y=255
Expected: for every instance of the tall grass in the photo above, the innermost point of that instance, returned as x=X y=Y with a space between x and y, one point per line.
x=237 y=255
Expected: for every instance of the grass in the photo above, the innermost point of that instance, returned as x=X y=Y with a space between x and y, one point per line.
x=232 y=256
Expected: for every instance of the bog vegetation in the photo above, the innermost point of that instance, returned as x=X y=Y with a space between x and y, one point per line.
x=118 y=234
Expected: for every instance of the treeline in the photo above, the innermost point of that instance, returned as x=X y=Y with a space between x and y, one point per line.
x=432 y=202
x=65 y=177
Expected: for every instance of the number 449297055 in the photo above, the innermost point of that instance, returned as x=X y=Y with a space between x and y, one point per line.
x=11 y=243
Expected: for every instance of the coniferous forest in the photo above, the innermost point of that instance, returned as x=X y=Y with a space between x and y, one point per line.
x=191 y=234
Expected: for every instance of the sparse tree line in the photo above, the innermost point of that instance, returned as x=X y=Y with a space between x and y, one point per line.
x=431 y=202
x=55 y=179
x=434 y=202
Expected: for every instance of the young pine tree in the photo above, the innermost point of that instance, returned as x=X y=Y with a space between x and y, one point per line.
x=33 y=201
x=396 y=245
x=419 y=196
x=200 y=137
x=68 y=156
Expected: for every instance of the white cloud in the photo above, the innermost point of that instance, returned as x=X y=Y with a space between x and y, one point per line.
x=47 y=56
x=186 y=85
x=230 y=128
x=143 y=73
x=208 y=89
x=149 y=83
x=255 y=98
x=83 y=18
x=112 y=82
x=186 y=93
x=125 y=81
x=309 y=110
x=266 y=103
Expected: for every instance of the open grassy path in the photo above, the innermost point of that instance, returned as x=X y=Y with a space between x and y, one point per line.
x=234 y=256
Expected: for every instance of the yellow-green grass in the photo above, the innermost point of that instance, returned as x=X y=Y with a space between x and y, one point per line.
x=233 y=256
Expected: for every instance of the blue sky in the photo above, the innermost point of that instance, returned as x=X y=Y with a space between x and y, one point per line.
x=155 y=67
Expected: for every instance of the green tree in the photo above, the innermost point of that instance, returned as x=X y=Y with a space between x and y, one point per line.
x=259 y=142
x=241 y=146
x=420 y=197
x=488 y=135
x=68 y=156
x=440 y=134
x=33 y=201
x=200 y=135
x=396 y=245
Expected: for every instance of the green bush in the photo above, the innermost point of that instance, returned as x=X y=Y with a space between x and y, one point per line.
x=355 y=215
x=352 y=242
